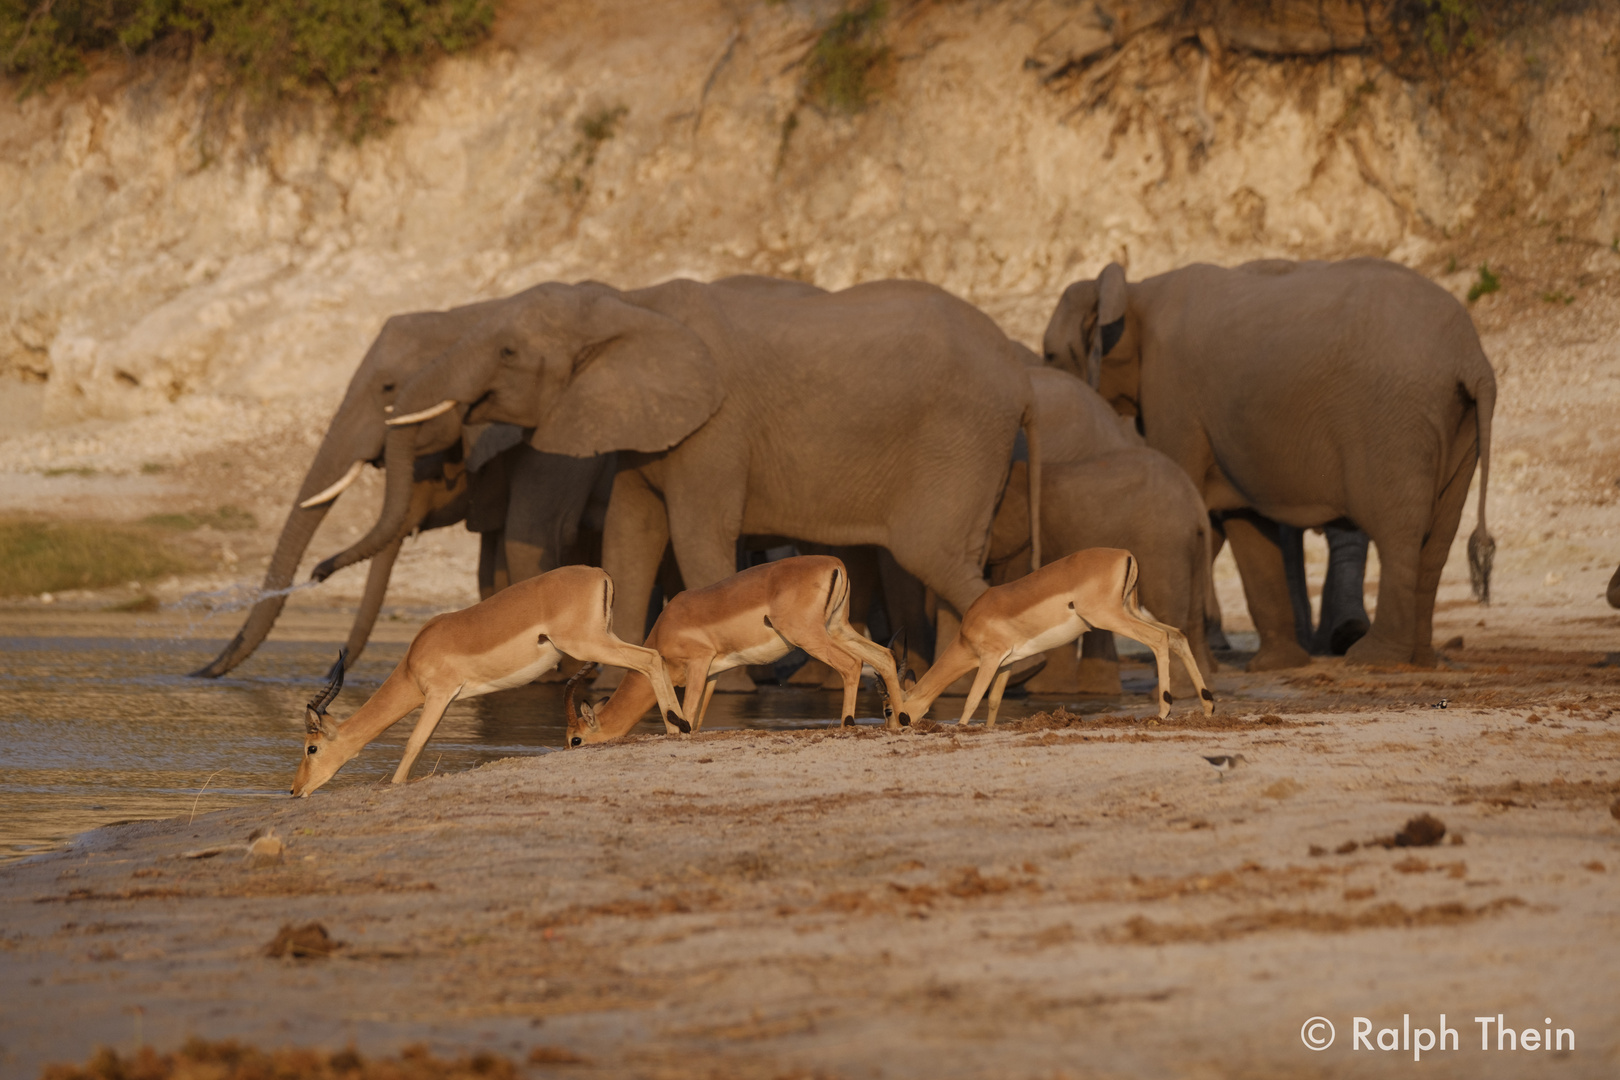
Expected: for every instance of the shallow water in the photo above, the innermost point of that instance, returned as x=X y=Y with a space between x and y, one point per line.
x=100 y=730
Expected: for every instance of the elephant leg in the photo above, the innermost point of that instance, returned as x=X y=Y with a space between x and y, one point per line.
x=1099 y=664
x=489 y=544
x=633 y=540
x=1432 y=560
x=548 y=497
x=906 y=602
x=704 y=526
x=1060 y=676
x=1214 y=633
x=1391 y=640
x=1344 y=611
x=1291 y=542
x=1265 y=587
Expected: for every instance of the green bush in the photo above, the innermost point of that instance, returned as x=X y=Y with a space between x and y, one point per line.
x=351 y=50
x=847 y=58
x=1484 y=285
x=40 y=556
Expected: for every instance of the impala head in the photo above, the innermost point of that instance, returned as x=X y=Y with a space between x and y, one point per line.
x=582 y=725
x=320 y=761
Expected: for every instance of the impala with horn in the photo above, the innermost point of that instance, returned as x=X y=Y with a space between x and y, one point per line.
x=511 y=639
x=755 y=617
x=1094 y=589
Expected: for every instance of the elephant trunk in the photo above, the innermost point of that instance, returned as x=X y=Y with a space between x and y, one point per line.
x=399 y=459
x=382 y=567
x=295 y=537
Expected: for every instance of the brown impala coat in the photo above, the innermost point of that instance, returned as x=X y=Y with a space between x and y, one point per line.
x=755 y=617
x=1091 y=589
x=509 y=640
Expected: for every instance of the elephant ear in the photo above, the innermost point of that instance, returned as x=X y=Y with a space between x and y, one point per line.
x=639 y=380
x=1110 y=319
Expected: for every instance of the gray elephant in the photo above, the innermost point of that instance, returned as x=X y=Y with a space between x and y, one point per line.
x=1103 y=487
x=883 y=414
x=526 y=505
x=1303 y=394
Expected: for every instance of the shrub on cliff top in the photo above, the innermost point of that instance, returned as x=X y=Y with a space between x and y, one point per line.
x=349 y=49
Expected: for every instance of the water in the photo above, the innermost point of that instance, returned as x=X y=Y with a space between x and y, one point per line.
x=95 y=730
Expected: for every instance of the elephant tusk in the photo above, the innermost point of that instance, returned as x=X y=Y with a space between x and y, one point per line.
x=426 y=414
x=336 y=489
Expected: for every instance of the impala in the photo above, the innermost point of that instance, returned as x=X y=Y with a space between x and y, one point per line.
x=755 y=617
x=511 y=639
x=1091 y=589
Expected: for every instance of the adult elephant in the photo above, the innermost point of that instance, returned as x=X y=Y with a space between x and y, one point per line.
x=883 y=414
x=1303 y=394
x=354 y=439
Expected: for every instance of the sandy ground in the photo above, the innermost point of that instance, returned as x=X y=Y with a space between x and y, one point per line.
x=1083 y=899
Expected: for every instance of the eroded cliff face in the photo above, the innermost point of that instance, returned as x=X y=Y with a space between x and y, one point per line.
x=163 y=243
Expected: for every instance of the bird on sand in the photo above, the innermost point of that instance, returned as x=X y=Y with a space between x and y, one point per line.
x=1225 y=763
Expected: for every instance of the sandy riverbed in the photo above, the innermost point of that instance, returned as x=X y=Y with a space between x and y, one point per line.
x=1081 y=900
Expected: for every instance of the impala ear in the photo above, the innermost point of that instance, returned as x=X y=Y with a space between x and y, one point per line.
x=587 y=716
x=639 y=380
x=318 y=724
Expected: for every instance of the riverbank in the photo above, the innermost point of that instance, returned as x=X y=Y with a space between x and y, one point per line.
x=1082 y=900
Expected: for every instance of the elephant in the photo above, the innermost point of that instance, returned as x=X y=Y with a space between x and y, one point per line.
x=882 y=414
x=1304 y=394
x=1614 y=589
x=494 y=477
x=1103 y=487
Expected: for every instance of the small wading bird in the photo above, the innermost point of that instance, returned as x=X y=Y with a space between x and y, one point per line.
x=1225 y=763
x=1094 y=589
x=511 y=639
x=755 y=617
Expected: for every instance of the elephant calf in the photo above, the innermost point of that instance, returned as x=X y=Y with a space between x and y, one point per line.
x=1134 y=498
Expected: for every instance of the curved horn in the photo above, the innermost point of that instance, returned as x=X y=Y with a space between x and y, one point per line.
x=336 y=489
x=320 y=701
x=426 y=414
x=568 y=693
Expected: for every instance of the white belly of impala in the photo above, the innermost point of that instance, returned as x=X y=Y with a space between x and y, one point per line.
x=767 y=652
x=522 y=677
x=1065 y=632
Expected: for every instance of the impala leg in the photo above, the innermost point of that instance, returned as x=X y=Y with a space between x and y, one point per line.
x=708 y=696
x=997 y=688
x=820 y=644
x=882 y=661
x=1155 y=637
x=697 y=688
x=432 y=713
x=1182 y=649
x=981 y=683
x=650 y=664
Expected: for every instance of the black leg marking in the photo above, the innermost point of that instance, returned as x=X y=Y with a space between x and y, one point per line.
x=849 y=721
x=686 y=728
x=1206 y=695
x=905 y=720
x=1167 y=698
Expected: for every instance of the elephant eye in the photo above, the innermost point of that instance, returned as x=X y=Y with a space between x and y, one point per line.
x=388 y=387
x=507 y=352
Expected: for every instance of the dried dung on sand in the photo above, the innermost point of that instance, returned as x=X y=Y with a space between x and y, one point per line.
x=307 y=942
x=1425 y=830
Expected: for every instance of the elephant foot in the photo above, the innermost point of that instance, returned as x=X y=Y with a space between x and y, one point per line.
x=1098 y=676
x=1375 y=651
x=734 y=681
x=1278 y=655
x=813 y=673
x=1346 y=634
x=1025 y=670
x=1059 y=674
x=1217 y=637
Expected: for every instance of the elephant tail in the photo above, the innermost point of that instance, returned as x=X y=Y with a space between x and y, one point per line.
x=1033 y=442
x=1481 y=545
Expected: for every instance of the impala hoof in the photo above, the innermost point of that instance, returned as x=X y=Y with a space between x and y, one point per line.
x=671 y=718
x=849 y=721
